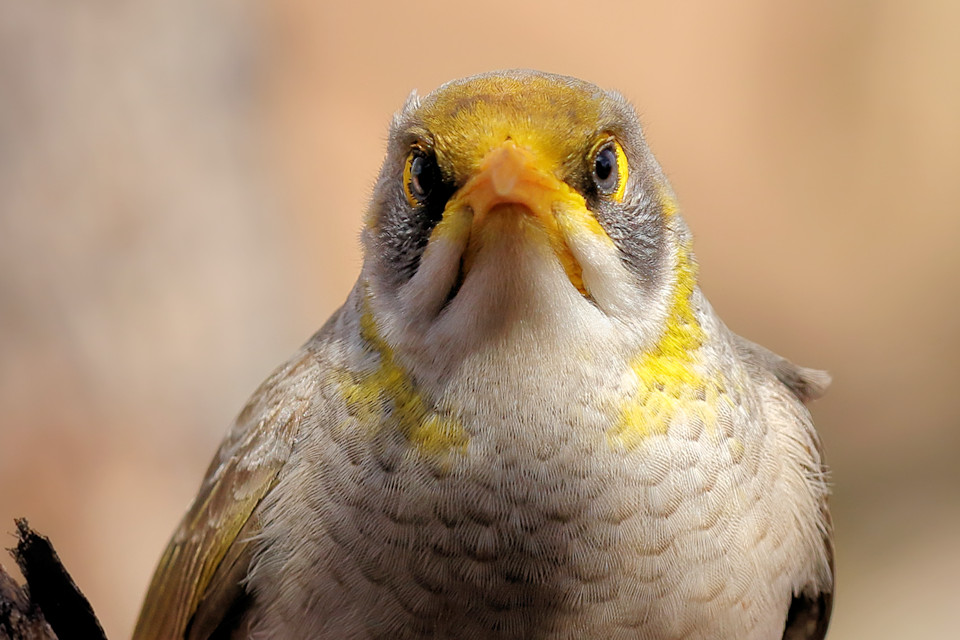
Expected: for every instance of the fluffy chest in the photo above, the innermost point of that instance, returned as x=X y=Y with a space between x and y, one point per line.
x=507 y=506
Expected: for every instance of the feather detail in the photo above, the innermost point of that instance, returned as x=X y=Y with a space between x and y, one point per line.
x=207 y=555
x=806 y=384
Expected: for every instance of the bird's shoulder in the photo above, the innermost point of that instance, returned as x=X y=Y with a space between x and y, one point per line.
x=198 y=582
x=804 y=383
x=787 y=388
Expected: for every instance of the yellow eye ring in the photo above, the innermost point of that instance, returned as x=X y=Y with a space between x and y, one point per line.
x=609 y=168
x=421 y=176
x=406 y=181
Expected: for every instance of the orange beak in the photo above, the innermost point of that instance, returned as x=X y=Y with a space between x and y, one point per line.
x=511 y=176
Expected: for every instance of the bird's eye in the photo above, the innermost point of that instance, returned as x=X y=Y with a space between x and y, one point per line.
x=610 y=169
x=421 y=176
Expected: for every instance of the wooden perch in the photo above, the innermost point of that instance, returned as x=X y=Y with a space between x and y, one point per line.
x=49 y=606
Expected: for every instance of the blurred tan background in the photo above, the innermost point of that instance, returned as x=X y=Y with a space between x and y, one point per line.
x=181 y=185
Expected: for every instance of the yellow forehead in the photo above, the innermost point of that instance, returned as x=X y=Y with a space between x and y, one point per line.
x=556 y=118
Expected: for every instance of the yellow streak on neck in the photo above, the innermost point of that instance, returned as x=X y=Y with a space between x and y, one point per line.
x=369 y=395
x=667 y=378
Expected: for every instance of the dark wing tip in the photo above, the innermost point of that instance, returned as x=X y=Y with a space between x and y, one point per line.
x=808 y=617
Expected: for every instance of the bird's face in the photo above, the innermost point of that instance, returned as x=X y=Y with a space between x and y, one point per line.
x=521 y=197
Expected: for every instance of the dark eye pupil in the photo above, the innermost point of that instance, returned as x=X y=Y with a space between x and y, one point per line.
x=604 y=164
x=606 y=173
x=422 y=176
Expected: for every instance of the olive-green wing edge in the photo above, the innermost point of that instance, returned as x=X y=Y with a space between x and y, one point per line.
x=222 y=608
x=210 y=550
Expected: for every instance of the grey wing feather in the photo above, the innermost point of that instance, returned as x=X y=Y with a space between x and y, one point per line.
x=809 y=613
x=806 y=384
x=198 y=575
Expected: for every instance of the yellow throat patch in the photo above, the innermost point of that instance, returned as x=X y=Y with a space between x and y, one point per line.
x=386 y=397
x=668 y=382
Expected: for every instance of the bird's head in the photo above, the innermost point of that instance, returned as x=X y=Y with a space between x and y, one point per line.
x=522 y=198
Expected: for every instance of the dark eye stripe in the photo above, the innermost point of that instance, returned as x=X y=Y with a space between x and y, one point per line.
x=406 y=228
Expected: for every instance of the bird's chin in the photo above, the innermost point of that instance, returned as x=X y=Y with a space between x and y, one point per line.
x=506 y=292
x=510 y=273
x=483 y=280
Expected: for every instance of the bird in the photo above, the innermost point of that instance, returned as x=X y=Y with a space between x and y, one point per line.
x=525 y=421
